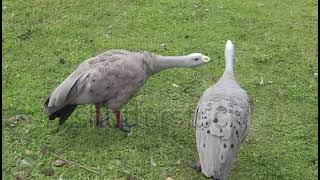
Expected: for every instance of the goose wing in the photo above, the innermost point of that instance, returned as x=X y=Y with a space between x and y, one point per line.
x=74 y=83
x=222 y=124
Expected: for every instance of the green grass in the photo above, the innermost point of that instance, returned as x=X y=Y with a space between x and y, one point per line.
x=275 y=40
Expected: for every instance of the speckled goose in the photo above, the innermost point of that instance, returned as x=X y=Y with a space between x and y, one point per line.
x=222 y=122
x=111 y=79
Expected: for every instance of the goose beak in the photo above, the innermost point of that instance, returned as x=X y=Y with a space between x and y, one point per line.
x=206 y=59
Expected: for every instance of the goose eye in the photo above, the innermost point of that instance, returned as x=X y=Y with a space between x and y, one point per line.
x=196 y=59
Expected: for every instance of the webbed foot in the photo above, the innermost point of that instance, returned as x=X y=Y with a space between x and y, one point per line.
x=101 y=123
x=126 y=127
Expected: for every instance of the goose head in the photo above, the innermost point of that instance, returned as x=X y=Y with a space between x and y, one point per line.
x=196 y=59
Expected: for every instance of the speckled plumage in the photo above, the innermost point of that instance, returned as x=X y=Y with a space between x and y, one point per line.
x=222 y=122
x=111 y=79
x=102 y=80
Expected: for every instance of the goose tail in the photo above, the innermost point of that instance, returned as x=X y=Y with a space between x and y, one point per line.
x=62 y=113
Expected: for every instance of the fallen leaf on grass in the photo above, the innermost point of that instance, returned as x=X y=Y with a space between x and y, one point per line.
x=60 y=162
x=175 y=85
x=13 y=121
x=261 y=82
x=24 y=163
x=152 y=162
x=28 y=152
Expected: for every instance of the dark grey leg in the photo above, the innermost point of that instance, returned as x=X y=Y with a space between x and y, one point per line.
x=100 y=123
x=195 y=165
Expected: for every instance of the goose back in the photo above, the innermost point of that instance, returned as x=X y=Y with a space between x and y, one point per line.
x=222 y=122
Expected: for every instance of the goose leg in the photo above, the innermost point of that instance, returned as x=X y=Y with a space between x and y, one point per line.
x=118 y=118
x=121 y=124
x=99 y=123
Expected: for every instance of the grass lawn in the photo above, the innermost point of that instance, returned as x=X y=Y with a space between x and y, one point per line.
x=44 y=41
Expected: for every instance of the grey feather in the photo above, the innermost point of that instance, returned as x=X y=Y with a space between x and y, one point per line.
x=222 y=122
x=111 y=79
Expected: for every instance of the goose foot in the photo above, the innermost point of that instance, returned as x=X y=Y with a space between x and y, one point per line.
x=121 y=123
x=126 y=127
x=101 y=123
x=195 y=165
